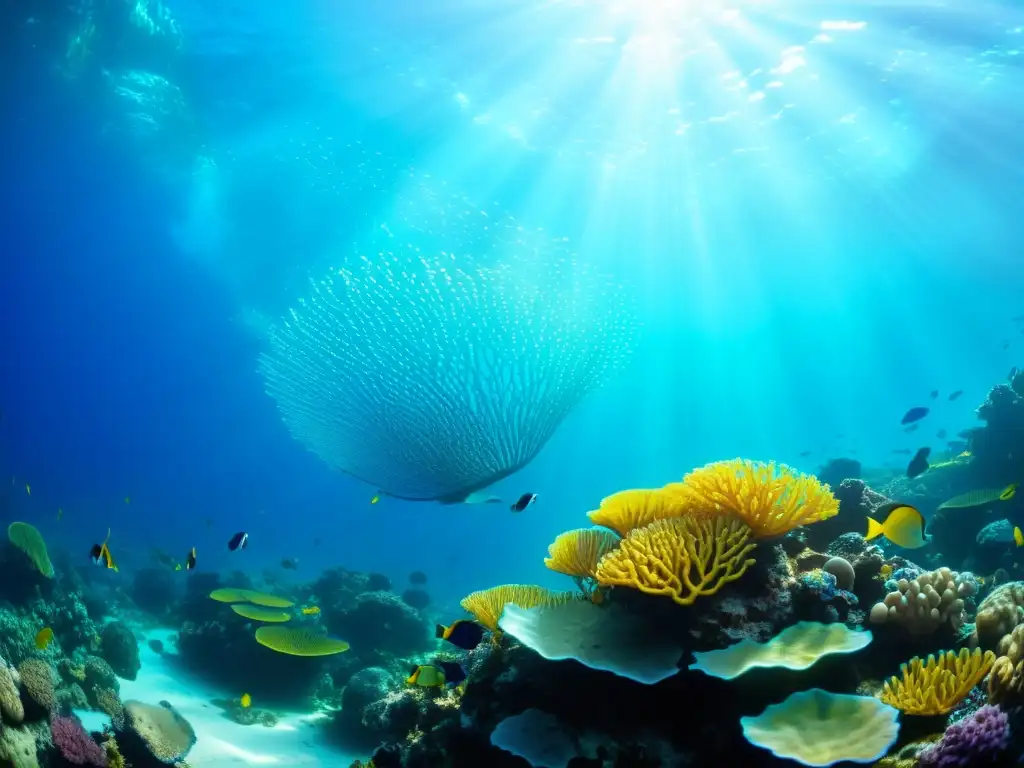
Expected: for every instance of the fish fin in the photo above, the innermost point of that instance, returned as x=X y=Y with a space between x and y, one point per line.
x=1018 y=537
x=875 y=529
x=441 y=631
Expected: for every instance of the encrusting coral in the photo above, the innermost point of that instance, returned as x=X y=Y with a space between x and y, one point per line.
x=936 y=686
x=771 y=499
x=683 y=558
x=487 y=605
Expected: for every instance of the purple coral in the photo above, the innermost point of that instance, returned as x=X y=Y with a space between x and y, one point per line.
x=75 y=745
x=977 y=740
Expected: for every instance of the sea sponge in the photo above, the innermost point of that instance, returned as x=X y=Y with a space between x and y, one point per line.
x=924 y=604
x=166 y=734
x=841 y=568
x=488 y=604
x=819 y=728
x=936 y=686
x=37 y=678
x=576 y=553
x=259 y=613
x=299 y=641
x=771 y=499
x=10 y=698
x=1000 y=612
x=636 y=508
x=797 y=647
x=30 y=541
x=683 y=558
x=609 y=639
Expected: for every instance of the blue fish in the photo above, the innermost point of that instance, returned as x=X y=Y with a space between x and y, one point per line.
x=914 y=414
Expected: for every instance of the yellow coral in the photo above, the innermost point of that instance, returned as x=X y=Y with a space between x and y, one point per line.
x=114 y=757
x=682 y=557
x=936 y=686
x=771 y=499
x=626 y=510
x=576 y=553
x=487 y=605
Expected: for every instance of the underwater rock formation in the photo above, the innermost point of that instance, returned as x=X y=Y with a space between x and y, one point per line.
x=431 y=378
x=120 y=649
x=379 y=622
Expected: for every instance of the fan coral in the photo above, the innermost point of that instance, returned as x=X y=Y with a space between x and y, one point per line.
x=488 y=604
x=74 y=744
x=576 y=553
x=26 y=538
x=819 y=728
x=167 y=735
x=637 y=508
x=609 y=639
x=798 y=647
x=433 y=377
x=684 y=558
x=931 y=600
x=974 y=742
x=299 y=642
x=936 y=686
x=37 y=678
x=1000 y=611
x=771 y=499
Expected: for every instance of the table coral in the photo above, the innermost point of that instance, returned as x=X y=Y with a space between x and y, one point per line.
x=167 y=735
x=683 y=558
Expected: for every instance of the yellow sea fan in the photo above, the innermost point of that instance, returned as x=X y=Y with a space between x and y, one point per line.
x=683 y=557
x=487 y=604
x=936 y=686
x=259 y=613
x=626 y=510
x=30 y=541
x=576 y=553
x=299 y=642
x=772 y=499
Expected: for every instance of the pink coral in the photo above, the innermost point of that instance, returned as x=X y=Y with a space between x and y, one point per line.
x=75 y=745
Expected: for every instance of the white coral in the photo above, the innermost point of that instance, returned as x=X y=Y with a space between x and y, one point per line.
x=924 y=604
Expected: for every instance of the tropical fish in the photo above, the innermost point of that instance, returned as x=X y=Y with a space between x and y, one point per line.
x=190 y=560
x=436 y=675
x=523 y=502
x=43 y=638
x=903 y=526
x=804 y=454
x=127 y=499
x=914 y=414
x=919 y=464
x=290 y=563
x=1018 y=537
x=311 y=610
x=885 y=571
x=980 y=498
x=239 y=541
x=177 y=566
x=954 y=395
x=100 y=554
x=462 y=634
x=934 y=394
x=245 y=701
x=28 y=489
x=375 y=498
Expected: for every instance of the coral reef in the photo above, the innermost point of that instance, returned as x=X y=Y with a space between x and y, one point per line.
x=978 y=740
x=381 y=621
x=120 y=650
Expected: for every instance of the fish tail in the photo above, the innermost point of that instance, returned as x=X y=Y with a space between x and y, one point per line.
x=875 y=529
x=439 y=631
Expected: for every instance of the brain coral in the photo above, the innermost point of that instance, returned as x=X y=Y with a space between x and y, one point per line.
x=37 y=678
x=1000 y=611
x=819 y=728
x=167 y=735
x=431 y=377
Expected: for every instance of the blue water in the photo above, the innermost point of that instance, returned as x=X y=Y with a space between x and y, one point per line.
x=807 y=259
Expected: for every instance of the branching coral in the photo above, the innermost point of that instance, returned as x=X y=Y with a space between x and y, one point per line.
x=636 y=508
x=487 y=604
x=684 y=558
x=771 y=499
x=936 y=686
x=977 y=740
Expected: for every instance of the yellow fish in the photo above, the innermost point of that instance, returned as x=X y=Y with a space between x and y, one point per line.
x=980 y=498
x=1009 y=492
x=43 y=638
x=28 y=489
x=375 y=499
x=1018 y=537
x=903 y=526
x=427 y=676
x=177 y=566
x=886 y=572
x=311 y=610
x=245 y=701
x=964 y=455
